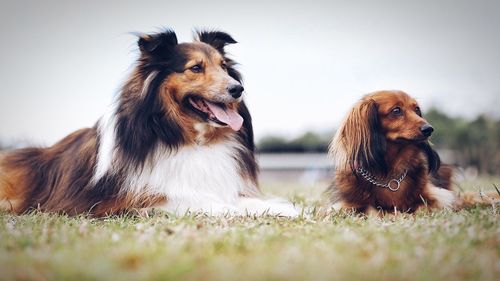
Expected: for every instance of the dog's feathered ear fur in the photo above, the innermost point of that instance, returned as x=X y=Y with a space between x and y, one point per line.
x=216 y=39
x=359 y=142
x=159 y=44
x=433 y=159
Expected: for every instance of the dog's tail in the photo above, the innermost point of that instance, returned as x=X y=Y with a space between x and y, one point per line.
x=443 y=177
x=478 y=198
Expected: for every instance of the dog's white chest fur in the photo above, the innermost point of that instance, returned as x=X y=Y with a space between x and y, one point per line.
x=193 y=177
x=203 y=179
x=196 y=178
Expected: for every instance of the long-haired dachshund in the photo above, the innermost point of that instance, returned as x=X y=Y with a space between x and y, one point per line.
x=384 y=160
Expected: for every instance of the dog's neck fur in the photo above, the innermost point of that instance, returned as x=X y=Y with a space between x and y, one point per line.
x=207 y=134
x=399 y=157
x=402 y=156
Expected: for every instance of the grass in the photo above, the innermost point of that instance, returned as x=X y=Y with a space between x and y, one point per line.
x=442 y=245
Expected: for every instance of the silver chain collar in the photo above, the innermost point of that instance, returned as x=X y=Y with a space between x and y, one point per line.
x=393 y=184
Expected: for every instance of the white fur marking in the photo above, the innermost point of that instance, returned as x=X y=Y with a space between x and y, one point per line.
x=5 y=205
x=445 y=198
x=338 y=206
x=107 y=145
x=107 y=133
x=201 y=129
x=147 y=82
x=194 y=178
x=273 y=207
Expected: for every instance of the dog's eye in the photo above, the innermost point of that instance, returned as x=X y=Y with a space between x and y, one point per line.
x=418 y=111
x=223 y=65
x=196 y=68
x=396 y=111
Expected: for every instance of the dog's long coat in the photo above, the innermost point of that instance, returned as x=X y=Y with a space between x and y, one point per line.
x=179 y=137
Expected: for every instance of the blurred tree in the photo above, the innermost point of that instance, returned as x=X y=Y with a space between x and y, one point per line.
x=273 y=144
x=475 y=143
x=308 y=142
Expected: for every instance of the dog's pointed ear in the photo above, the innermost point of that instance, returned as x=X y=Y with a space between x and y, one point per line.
x=433 y=159
x=159 y=44
x=361 y=140
x=216 y=39
x=219 y=40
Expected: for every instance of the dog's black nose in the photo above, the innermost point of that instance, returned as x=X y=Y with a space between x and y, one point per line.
x=235 y=90
x=426 y=130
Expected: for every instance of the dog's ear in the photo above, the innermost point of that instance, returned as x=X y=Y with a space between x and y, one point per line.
x=433 y=159
x=247 y=132
x=216 y=39
x=360 y=141
x=373 y=152
x=231 y=70
x=219 y=40
x=157 y=45
x=245 y=136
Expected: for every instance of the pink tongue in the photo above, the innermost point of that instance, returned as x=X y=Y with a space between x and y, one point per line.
x=228 y=116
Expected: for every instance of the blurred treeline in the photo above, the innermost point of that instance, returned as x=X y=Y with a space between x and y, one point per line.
x=472 y=143
x=308 y=142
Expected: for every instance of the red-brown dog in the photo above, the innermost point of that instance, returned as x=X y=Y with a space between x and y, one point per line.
x=384 y=160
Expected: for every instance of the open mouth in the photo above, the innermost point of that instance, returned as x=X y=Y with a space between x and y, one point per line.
x=218 y=113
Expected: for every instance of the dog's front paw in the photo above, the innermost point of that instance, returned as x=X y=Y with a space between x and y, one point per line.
x=270 y=207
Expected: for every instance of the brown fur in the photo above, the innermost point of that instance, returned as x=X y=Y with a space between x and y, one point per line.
x=471 y=199
x=385 y=146
x=46 y=179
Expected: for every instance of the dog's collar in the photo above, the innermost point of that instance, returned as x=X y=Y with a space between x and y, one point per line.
x=393 y=184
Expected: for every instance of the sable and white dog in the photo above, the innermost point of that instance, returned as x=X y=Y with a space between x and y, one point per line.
x=179 y=137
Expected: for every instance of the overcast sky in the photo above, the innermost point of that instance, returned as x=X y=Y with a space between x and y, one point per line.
x=304 y=63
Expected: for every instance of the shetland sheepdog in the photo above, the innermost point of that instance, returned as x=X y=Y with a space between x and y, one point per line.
x=179 y=137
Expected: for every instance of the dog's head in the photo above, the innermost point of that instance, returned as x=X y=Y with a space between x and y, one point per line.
x=399 y=116
x=377 y=120
x=197 y=82
x=181 y=93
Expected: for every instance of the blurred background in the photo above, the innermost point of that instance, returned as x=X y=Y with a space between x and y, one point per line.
x=304 y=65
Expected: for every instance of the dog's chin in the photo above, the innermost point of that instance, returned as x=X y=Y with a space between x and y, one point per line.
x=217 y=114
x=216 y=124
x=412 y=140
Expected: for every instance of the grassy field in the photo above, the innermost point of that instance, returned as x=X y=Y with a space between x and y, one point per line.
x=443 y=245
